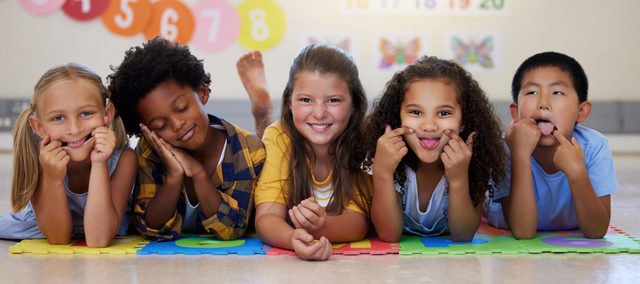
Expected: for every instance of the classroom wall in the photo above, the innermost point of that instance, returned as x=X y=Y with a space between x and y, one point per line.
x=602 y=35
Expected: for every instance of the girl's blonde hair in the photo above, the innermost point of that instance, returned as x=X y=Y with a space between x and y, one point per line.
x=26 y=144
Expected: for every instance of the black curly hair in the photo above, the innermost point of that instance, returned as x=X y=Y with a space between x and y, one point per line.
x=488 y=158
x=144 y=68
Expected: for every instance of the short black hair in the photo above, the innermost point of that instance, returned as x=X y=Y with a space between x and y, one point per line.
x=143 y=68
x=552 y=59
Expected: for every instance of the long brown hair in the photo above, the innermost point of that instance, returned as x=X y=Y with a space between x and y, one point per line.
x=348 y=180
x=26 y=144
x=488 y=158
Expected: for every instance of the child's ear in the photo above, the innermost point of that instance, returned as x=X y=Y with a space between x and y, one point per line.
x=203 y=94
x=109 y=113
x=513 y=109
x=36 y=126
x=584 y=109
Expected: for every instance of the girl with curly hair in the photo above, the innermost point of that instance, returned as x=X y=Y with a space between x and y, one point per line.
x=434 y=148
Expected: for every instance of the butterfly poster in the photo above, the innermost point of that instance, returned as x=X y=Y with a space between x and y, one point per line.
x=476 y=51
x=341 y=40
x=394 y=51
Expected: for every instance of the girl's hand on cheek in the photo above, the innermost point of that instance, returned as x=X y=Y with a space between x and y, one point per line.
x=53 y=158
x=456 y=156
x=390 y=149
x=171 y=164
x=104 y=140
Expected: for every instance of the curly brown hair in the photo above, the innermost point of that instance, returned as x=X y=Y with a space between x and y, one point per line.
x=488 y=158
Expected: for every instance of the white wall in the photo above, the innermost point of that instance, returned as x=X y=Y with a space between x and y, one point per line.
x=602 y=35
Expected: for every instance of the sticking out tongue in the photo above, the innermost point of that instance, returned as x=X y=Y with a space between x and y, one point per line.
x=430 y=143
x=546 y=127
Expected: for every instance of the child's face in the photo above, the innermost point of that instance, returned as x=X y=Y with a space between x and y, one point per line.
x=429 y=108
x=68 y=112
x=321 y=107
x=176 y=113
x=547 y=95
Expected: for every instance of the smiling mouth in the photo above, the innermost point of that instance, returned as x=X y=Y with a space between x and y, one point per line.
x=320 y=126
x=77 y=143
x=546 y=126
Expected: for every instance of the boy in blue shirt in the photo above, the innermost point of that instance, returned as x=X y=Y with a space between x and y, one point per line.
x=559 y=175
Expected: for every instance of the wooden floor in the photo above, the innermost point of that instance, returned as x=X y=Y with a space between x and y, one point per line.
x=540 y=268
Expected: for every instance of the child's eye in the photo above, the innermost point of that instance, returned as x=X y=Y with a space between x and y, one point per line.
x=57 y=118
x=415 y=112
x=334 y=100
x=184 y=108
x=86 y=113
x=444 y=113
x=532 y=92
x=558 y=93
x=305 y=100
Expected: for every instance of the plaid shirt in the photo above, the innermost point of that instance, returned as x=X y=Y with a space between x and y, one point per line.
x=235 y=178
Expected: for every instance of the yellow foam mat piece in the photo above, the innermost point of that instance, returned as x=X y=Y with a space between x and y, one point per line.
x=119 y=245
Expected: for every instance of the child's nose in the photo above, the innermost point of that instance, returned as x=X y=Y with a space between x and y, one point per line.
x=177 y=123
x=429 y=124
x=319 y=110
x=543 y=102
x=74 y=126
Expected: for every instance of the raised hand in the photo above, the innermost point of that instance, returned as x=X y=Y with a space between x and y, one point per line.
x=569 y=157
x=456 y=156
x=53 y=158
x=306 y=248
x=104 y=144
x=522 y=136
x=308 y=215
x=390 y=149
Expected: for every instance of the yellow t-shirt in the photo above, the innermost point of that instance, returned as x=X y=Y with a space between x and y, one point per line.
x=273 y=183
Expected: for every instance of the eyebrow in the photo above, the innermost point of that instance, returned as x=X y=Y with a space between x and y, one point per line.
x=419 y=106
x=553 y=84
x=57 y=111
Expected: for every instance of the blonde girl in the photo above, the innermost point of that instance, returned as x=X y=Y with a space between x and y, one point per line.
x=312 y=186
x=73 y=175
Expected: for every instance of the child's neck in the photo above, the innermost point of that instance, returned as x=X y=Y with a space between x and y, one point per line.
x=323 y=164
x=78 y=174
x=209 y=153
x=544 y=157
x=427 y=178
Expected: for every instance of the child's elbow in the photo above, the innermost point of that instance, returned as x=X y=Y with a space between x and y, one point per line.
x=59 y=240
x=523 y=235
x=462 y=239
x=98 y=242
x=389 y=237
x=596 y=235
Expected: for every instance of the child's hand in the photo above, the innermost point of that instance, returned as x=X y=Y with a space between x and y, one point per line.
x=53 y=159
x=569 y=157
x=104 y=144
x=306 y=248
x=171 y=164
x=456 y=156
x=308 y=215
x=522 y=136
x=390 y=149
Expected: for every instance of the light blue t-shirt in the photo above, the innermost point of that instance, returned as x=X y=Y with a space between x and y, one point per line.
x=556 y=210
x=434 y=220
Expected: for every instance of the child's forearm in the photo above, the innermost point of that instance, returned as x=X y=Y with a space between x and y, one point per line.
x=274 y=230
x=350 y=226
x=522 y=212
x=52 y=211
x=101 y=219
x=592 y=213
x=464 y=218
x=386 y=210
x=208 y=195
x=162 y=206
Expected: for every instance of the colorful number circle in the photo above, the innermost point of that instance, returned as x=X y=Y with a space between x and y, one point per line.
x=262 y=24
x=217 y=24
x=171 y=20
x=84 y=10
x=127 y=17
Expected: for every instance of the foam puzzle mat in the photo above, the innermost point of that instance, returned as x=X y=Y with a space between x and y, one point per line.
x=488 y=240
